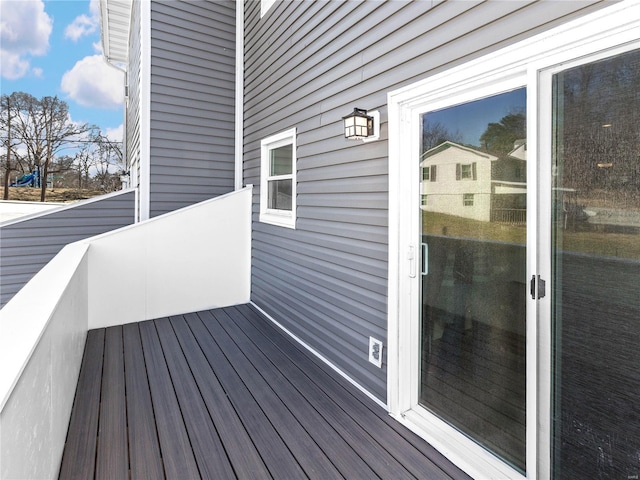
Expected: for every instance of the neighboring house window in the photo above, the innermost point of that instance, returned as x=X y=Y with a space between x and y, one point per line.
x=425 y=174
x=278 y=179
x=467 y=199
x=466 y=171
x=518 y=173
x=265 y=5
x=424 y=200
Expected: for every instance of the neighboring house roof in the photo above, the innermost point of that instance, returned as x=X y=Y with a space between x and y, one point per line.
x=115 y=17
x=445 y=146
x=519 y=151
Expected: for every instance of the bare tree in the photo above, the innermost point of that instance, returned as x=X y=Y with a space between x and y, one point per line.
x=44 y=128
x=10 y=111
x=109 y=158
x=58 y=130
x=435 y=133
x=84 y=159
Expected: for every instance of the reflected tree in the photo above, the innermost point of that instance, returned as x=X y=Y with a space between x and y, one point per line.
x=600 y=109
x=499 y=138
x=435 y=133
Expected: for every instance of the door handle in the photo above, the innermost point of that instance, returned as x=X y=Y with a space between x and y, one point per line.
x=411 y=256
x=425 y=259
x=542 y=287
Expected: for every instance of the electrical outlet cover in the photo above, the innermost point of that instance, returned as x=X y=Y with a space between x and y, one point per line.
x=375 y=352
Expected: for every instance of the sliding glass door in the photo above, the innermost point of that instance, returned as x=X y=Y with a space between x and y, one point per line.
x=514 y=336
x=473 y=199
x=596 y=268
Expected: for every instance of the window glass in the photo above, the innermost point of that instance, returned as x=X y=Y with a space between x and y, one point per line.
x=596 y=269
x=281 y=160
x=474 y=287
x=280 y=194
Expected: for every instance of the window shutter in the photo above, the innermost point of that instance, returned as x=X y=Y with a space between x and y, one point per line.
x=433 y=173
x=474 y=171
x=458 y=171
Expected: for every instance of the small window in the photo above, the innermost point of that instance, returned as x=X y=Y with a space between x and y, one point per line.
x=424 y=200
x=466 y=171
x=425 y=174
x=278 y=179
x=518 y=173
x=467 y=199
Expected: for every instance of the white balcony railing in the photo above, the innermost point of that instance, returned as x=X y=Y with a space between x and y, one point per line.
x=193 y=259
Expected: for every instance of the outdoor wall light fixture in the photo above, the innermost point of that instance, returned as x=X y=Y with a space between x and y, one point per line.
x=358 y=125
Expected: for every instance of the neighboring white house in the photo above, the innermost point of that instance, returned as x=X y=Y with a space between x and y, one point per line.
x=465 y=182
x=456 y=180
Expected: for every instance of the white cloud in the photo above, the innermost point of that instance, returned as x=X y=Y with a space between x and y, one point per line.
x=81 y=26
x=115 y=134
x=93 y=83
x=84 y=25
x=24 y=32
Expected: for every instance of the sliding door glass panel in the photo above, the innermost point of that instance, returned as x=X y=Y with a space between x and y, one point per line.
x=473 y=232
x=596 y=269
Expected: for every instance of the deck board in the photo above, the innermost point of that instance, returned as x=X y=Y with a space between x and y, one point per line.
x=112 y=459
x=225 y=394
x=78 y=459
x=345 y=460
x=242 y=451
x=357 y=446
x=144 y=449
x=352 y=413
x=207 y=448
x=177 y=454
x=274 y=450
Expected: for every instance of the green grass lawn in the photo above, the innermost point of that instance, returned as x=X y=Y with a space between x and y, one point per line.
x=585 y=239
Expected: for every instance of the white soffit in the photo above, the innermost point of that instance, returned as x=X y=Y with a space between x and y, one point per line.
x=115 y=18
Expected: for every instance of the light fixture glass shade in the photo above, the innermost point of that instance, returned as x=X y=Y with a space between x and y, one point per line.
x=358 y=125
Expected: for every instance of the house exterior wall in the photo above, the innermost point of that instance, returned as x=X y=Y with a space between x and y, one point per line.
x=29 y=243
x=445 y=193
x=191 y=102
x=307 y=64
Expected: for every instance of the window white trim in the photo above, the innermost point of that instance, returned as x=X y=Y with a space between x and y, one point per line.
x=522 y=64
x=282 y=218
x=265 y=5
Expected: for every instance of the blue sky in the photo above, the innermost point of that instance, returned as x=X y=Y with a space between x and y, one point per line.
x=471 y=119
x=53 y=48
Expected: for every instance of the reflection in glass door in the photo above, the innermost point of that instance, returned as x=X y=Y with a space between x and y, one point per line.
x=596 y=269
x=473 y=226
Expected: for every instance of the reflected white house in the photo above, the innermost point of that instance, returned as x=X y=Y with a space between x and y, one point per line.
x=466 y=182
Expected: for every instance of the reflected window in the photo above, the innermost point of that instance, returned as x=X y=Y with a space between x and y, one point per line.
x=466 y=171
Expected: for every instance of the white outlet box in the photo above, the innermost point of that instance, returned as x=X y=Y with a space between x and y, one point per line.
x=375 y=352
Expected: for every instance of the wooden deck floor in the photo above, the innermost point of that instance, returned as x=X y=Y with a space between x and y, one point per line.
x=224 y=394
